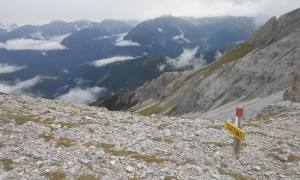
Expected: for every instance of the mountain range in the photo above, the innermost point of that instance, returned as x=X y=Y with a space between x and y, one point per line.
x=114 y=56
x=262 y=70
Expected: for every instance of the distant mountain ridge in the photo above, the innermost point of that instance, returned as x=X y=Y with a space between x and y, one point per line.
x=63 y=54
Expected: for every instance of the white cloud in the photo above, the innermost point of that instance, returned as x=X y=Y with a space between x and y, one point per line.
x=19 y=87
x=5 y=68
x=83 y=95
x=52 y=43
x=127 y=43
x=218 y=55
x=184 y=60
x=104 y=62
x=66 y=71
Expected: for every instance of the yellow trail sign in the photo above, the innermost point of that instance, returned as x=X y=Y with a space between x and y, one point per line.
x=237 y=132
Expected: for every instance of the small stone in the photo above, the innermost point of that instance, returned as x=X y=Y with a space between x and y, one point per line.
x=88 y=118
x=283 y=157
x=256 y=168
x=112 y=162
x=153 y=115
x=130 y=169
x=16 y=149
x=267 y=173
x=139 y=165
x=150 y=171
x=106 y=177
x=39 y=163
x=83 y=161
x=17 y=161
x=215 y=175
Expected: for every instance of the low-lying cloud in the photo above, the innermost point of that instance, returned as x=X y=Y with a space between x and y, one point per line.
x=53 y=43
x=187 y=59
x=84 y=95
x=121 y=42
x=19 y=87
x=6 y=68
x=106 y=61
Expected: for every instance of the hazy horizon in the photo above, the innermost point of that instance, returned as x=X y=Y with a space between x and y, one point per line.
x=41 y=12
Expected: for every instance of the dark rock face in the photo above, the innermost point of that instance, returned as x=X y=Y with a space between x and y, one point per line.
x=118 y=102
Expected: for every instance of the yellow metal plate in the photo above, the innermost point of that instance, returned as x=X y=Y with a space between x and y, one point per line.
x=237 y=132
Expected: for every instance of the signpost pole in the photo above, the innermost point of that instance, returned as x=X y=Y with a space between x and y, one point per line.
x=238 y=123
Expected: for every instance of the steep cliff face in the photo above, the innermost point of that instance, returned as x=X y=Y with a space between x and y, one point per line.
x=264 y=65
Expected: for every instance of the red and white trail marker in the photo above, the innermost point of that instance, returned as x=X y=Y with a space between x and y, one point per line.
x=238 y=123
x=236 y=130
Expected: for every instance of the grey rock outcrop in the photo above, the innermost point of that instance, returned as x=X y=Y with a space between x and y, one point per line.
x=157 y=87
x=287 y=23
x=264 y=33
x=276 y=29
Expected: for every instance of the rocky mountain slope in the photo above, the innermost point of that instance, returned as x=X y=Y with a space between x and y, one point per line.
x=261 y=67
x=44 y=139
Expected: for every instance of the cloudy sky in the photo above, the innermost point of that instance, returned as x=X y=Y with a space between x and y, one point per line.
x=42 y=11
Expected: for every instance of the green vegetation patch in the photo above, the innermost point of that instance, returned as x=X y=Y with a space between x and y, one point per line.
x=256 y=133
x=46 y=137
x=64 y=141
x=214 y=126
x=220 y=144
x=155 y=109
x=55 y=175
x=234 y=175
x=7 y=164
x=249 y=124
x=22 y=119
x=87 y=177
x=190 y=161
x=109 y=148
x=265 y=118
x=293 y=158
x=148 y=158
